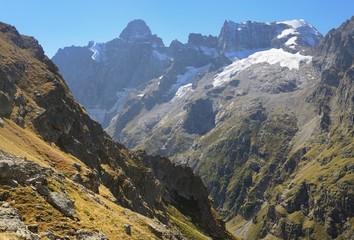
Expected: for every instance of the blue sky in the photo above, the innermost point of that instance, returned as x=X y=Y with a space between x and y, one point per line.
x=60 y=23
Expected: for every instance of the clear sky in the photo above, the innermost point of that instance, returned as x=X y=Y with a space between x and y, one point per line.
x=60 y=23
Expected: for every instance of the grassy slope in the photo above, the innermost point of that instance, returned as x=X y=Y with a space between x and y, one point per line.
x=106 y=217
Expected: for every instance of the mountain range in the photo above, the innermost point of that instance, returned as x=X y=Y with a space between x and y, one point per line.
x=111 y=71
x=262 y=115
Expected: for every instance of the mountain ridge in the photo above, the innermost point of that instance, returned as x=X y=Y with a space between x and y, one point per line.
x=152 y=59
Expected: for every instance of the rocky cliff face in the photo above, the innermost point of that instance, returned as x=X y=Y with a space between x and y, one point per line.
x=55 y=130
x=255 y=35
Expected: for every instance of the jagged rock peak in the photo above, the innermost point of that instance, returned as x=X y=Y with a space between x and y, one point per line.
x=136 y=30
x=337 y=47
x=197 y=39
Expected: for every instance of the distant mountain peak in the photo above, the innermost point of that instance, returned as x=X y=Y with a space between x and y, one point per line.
x=136 y=30
x=248 y=35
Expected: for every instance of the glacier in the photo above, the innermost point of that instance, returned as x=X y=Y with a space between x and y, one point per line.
x=272 y=56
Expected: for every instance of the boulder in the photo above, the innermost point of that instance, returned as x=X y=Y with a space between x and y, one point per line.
x=62 y=202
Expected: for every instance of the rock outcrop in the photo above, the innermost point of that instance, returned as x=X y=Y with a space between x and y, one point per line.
x=16 y=171
x=10 y=222
x=200 y=117
x=185 y=191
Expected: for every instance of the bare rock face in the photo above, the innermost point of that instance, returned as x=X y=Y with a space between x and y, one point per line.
x=336 y=49
x=198 y=40
x=186 y=192
x=256 y=35
x=137 y=31
x=200 y=117
x=335 y=61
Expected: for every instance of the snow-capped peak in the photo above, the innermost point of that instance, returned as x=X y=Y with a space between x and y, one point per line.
x=295 y=23
x=300 y=28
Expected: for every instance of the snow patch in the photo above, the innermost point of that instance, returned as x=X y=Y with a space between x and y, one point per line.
x=296 y=23
x=242 y=54
x=98 y=51
x=183 y=90
x=287 y=32
x=272 y=56
x=291 y=41
x=188 y=77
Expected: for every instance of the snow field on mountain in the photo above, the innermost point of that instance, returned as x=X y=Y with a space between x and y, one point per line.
x=183 y=82
x=272 y=56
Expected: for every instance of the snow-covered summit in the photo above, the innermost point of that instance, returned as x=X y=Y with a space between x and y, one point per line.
x=296 y=23
x=300 y=28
